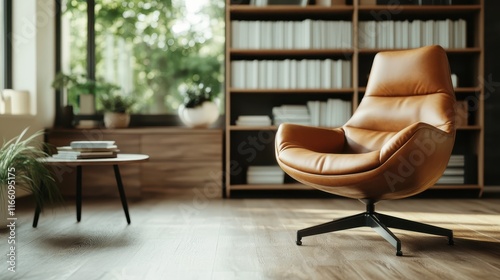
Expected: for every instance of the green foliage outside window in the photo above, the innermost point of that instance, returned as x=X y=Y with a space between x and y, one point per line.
x=169 y=46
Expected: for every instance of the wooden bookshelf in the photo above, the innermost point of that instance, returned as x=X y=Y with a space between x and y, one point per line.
x=467 y=62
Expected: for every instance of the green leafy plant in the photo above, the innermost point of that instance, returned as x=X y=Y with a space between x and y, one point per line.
x=195 y=94
x=80 y=84
x=20 y=167
x=113 y=102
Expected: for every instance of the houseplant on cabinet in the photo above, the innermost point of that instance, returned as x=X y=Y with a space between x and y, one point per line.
x=199 y=108
x=116 y=109
x=21 y=170
x=82 y=90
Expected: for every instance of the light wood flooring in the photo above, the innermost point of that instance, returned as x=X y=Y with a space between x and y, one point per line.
x=190 y=237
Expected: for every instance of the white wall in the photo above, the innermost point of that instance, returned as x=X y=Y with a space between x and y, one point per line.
x=33 y=65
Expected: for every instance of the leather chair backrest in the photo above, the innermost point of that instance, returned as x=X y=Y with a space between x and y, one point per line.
x=404 y=87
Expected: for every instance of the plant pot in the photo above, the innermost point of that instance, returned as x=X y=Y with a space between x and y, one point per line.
x=200 y=116
x=116 y=120
x=87 y=104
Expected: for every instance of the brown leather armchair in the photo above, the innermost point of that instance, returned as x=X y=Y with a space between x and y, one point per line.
x=396 y=144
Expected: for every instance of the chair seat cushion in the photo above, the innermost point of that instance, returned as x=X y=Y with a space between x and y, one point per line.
x=329 y=164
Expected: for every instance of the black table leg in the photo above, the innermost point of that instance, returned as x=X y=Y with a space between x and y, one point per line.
x=37 y=214
x=78 y=193
x=122 y=192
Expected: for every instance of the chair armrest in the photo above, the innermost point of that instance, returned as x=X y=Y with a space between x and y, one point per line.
x=321 y=140
x=425 y=134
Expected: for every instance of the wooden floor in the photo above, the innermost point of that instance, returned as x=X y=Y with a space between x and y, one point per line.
x=195 y=238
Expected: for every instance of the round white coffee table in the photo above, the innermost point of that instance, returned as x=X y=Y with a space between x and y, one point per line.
x=121 y=159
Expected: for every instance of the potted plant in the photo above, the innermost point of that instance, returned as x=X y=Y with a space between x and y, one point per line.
x=22 y=170
x=116 y=109
x=82 y=90
x=199 y=108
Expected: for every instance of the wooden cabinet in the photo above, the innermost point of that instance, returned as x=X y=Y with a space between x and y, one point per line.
x=181 y=160
x=253 y=145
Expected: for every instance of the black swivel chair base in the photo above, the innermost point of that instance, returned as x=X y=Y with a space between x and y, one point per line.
x=379 y=223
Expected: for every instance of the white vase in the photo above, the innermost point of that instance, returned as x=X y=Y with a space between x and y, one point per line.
x=200 y=116
x=87 y=104
x=116 y=120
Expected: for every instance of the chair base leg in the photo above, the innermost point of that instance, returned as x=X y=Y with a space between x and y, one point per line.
x=379 y=223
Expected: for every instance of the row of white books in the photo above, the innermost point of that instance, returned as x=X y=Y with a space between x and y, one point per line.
x=265 y=175
x=454 y=172
x=277 y=2
x=306 y=34
x=332 y=113
x=291 y=74
x=87 y=150
x=297 y=114
x=405 y=34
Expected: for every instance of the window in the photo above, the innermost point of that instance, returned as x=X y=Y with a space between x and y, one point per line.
x=147 y=48
x=2 y=47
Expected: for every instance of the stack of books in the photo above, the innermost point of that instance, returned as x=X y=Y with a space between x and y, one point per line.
x=454 y=173
x=297 y=114
x=258 y=120
x=265 y=175
x=87 y=150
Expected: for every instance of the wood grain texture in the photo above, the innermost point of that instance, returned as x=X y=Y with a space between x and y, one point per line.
x=188 y=237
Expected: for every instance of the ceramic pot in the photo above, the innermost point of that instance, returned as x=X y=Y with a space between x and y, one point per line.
x=200 y=116
x=116 y=120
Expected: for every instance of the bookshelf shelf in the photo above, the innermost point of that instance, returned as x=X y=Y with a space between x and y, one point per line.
x=424 y=9
x=348 y=91
x=449 y=51
x=252 y=128
x=466 y=61
x=296 y=53
x=290 y=10
x=271 y=187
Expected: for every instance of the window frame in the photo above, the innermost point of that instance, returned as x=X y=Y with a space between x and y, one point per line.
x=7 y=47
x=136 y=120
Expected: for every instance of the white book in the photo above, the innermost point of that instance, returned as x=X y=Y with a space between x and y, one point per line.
x=243 y=37
x=405 y=34
x=362 y=36
x=449 y=32
x=302 y=74
x=253 y=75
x=337 y=73
x=267 y=35
x=293 y=74
x=391 y=41
x=280 y=35
x=380 y=35
x=235 y=34
x=398 y=36
x=270 y=71
x=286 y=73
x=91 y=144
x=429 y=33
x=256 y=36
x=346 y=73
x=454 y=171
x=416 y=34
x=462 y=29
x=263 y=76
x=307 y=40
x=280 y=74
x=326 y=74
x=323 y=114
x=289 y=35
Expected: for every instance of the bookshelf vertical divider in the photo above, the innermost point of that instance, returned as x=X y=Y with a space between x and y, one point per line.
x=253 y=145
